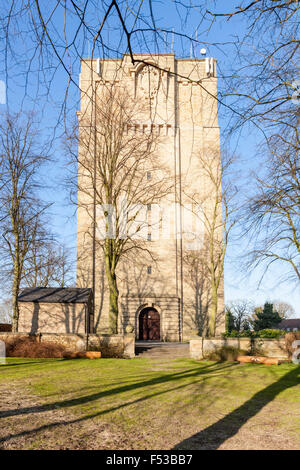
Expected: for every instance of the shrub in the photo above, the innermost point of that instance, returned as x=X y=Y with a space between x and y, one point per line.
x=270 y=333
x=246 y=334
x=233 y=334
x=108 y=351
x=236 y=334
x=30 y=347
x=266 y=333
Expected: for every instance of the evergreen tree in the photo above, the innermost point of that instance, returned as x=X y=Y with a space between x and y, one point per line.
x=229 y=321
x=266 y=318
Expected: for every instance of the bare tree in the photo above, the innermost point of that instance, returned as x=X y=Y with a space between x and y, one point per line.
x=263 y=76
x=264 y=72
x=47 y=264
x=217 y=210
x=274 y=211
x=241 y=311
x=285 y=309
x=116 y=158
x=21 y=156
x=90 y=29
x=197 y=277
x=263 y=88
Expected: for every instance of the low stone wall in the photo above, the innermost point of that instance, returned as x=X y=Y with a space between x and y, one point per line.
x=201 y=348
x=113 y=345
x=109 y=345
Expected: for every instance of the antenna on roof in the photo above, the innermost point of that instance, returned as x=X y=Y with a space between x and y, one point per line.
x=193 y=48
x=196 y=40
x=172 y=40
x=98 y=67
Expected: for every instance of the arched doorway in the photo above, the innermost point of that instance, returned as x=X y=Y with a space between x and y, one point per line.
x=149 y=325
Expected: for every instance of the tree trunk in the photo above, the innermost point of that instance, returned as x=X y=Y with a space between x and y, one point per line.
x=113 y=307
x=15 y=293
x=113 y=296
x=213 y=310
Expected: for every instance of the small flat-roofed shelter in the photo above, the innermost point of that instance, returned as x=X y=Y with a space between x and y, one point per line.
x=55 y=310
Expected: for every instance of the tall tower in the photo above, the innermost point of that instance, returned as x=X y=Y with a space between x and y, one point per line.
x=168 y=295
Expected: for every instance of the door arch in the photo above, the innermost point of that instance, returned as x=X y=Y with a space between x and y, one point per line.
x=149 y=325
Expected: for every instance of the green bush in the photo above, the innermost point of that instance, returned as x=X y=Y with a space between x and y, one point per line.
x=266 y=333
x=270 y=333
x=241 y=334
x=230 y=334
x=246 y=334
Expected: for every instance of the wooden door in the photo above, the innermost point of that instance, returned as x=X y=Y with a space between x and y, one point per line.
x=149 y=325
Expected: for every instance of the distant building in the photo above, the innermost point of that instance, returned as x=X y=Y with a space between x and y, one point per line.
x=292 y=324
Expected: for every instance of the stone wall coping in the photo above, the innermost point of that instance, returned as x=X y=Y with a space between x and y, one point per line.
x=214 y=338
x=81 y=335
x=249 y=338
x=145 y=297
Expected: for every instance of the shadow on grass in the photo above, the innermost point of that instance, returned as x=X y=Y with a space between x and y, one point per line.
x=213 y=436
x=115 y=391
x=192 y=373
x=37 y=361
x=210 y=438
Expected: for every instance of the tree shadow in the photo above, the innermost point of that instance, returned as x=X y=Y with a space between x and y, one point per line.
x=213 y=436
x=192 y=373
x=42 y=361
x=117 y=390
x=35 y=319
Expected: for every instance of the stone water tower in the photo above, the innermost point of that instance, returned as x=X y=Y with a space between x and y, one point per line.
x=169 y=295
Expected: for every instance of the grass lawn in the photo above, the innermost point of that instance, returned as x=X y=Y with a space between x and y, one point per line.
x=148 y=404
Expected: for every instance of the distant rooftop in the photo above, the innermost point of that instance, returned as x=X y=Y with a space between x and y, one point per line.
x=290 y=323
x=72 y=295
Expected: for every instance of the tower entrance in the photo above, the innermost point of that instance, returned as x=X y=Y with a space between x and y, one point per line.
x=149 y=325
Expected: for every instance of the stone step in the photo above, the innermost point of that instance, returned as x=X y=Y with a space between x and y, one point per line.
x=162 y=351
x=159 y=356
x=183 y=351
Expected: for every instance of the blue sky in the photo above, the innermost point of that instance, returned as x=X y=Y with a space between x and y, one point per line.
x=238 y=283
